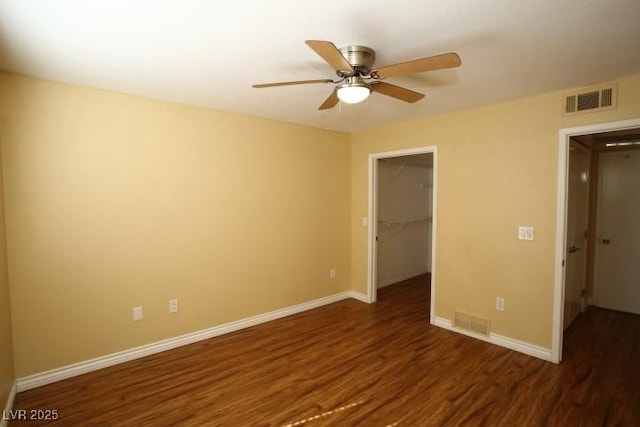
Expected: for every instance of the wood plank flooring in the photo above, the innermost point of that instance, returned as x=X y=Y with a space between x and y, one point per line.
x=353 y=364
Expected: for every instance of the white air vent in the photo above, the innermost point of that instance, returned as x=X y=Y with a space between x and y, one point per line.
x=472 y=323
x=591 y=99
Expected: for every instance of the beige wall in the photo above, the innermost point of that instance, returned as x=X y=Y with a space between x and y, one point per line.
x=497 y=170
x=114 y=201
x=6 y=343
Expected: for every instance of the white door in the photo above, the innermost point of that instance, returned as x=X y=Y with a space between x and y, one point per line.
x=618 y=248
x=577 y=209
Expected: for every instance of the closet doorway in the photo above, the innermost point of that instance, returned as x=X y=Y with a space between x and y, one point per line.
x=402 y=217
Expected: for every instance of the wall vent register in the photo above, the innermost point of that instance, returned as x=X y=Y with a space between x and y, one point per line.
x=472 y=323
x=591 y=99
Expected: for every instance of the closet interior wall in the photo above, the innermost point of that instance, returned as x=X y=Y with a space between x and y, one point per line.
x=404 y=213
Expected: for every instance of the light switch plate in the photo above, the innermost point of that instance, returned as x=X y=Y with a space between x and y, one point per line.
x=137 y=313
x=525 y=233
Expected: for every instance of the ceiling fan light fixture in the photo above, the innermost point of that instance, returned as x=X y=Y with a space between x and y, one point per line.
x=354 y=91
x=354 y=64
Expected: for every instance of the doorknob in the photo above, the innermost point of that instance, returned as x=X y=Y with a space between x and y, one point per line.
x=573 y=249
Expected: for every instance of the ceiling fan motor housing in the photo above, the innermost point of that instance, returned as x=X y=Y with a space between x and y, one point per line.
x=361 y=59
x=354 y=66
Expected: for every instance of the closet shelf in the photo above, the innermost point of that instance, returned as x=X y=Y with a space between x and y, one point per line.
x=403 y=222
x=402 y=164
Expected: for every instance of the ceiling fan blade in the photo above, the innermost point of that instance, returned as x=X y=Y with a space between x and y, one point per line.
x=330 y=102
x=397 y=92
x=297 y=82
x=438 y=62
x=330 y=53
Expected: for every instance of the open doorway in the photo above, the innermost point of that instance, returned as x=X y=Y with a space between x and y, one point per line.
x=402 y=198
x=616 y=279
x=598 y=178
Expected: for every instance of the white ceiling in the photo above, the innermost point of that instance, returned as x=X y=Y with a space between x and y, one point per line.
x=209 y=53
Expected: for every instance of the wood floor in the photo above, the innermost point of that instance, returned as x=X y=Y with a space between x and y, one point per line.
x=353 y=364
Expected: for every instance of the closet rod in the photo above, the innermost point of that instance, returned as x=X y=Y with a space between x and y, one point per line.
x=404 y=221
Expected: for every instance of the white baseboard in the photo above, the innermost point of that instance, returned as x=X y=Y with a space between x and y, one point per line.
x=48 y=377
x=400 y=279
x=502 y=341
x=9 y=406
x=359 y=296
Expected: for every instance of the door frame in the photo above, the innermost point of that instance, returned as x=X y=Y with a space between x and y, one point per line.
x=564 y=136
x=373 y=219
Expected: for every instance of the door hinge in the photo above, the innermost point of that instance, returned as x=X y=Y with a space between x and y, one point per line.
x=563 y=263
x=582 y=293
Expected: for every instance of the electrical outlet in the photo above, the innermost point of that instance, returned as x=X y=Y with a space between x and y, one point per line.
x=137 y=313
x=500 y=304
x=173 y=306
x=525 y=233
x=332 y=273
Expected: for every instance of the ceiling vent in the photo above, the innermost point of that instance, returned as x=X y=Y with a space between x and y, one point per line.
x=591 y=99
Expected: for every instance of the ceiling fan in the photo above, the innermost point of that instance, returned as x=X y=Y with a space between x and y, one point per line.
x=357 y=78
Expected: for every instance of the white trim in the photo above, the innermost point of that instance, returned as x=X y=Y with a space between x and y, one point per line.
x=500 y=340
x=9 y=406
x=434 y=231
x=373 y=231
x=48 y=377
x=359 y=296
x=559 y=274
x=373 y=219
x=558 y=290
